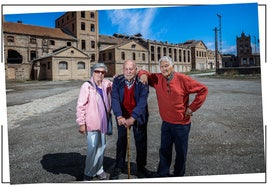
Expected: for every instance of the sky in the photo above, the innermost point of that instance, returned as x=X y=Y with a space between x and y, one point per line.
x=175 y=24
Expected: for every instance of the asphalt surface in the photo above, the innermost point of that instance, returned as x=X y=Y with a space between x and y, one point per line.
x=226 y=137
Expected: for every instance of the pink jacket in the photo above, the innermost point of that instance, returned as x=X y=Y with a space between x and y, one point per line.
x=87 y=111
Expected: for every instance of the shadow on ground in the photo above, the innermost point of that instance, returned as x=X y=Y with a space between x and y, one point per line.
x=73 y=164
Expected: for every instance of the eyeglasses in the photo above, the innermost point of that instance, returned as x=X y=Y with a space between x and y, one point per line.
x=98 y=72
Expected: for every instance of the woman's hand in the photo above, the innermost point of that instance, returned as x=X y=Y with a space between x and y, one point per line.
x=83 y=129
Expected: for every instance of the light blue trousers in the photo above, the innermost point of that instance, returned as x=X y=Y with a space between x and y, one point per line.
x=96 y=144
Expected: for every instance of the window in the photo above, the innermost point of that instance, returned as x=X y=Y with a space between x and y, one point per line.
x=83 y=15
x=81 y=65
x=63 y=65
x=92 y=57
x=188 y=56
x=83 y=26
x=175 y=55
x=103 y=57
x=92 y=44
x=52 y=42
x=134 y=56
x=143 y=56
x=32 y=54
x=92 y=15
x=133 y=46
x=33 y=40
x=92 y=28
x=152 y=57
x=152 y=48
x=83 y=44
x=165 y=51
x=184 y=56
x=110 y=56
x=179 y=55
x=244 y=61
x=123 y=55
x=10 y=39
x=158 y=49
x=69 y=43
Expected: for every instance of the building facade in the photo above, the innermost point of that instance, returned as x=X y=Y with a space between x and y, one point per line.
x=115 y=55
x=32 y=52
x=23 y=44
x=202 y=58
x=84 y=26
x=245 y=56
x=67 y=63
x=181 y=55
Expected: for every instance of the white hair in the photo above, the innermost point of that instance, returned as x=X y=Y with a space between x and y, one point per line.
x=166 y=59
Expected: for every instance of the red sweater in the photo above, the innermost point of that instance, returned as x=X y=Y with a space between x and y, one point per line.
x=129 y=102
x=173 y=98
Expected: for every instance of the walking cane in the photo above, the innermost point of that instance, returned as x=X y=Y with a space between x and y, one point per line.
x=128 y=152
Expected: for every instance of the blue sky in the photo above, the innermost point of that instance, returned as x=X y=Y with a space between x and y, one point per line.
x=175 y=24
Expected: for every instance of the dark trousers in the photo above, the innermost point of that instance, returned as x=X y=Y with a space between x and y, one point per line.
x=177 y=134
x=140 y=136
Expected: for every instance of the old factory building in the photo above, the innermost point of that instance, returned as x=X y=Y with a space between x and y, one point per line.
x=68 y=50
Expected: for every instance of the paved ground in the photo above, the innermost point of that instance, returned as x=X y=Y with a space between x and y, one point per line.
x=45 y=146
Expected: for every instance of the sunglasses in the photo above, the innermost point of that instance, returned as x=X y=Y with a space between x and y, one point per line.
x=98 y=72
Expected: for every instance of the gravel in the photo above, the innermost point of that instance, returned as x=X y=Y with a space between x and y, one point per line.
x=226 y=136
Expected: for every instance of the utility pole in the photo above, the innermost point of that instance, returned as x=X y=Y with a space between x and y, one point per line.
x=219 y=16
x=216 y=48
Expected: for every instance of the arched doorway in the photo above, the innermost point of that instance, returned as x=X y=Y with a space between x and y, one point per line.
x=13 y=57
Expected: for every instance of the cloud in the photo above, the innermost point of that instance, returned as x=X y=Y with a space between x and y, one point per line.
x=210 y=45
x=229 y=50
x=132 y=21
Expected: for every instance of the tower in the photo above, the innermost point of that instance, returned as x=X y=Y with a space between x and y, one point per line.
x=83 y=25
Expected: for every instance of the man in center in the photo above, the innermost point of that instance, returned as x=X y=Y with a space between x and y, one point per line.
x=129 y=105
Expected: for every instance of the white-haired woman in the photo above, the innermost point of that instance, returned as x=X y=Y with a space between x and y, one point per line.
x=92 y=119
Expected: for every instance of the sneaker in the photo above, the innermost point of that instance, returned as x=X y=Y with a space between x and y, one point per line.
x=102 y=176
x=115 y=174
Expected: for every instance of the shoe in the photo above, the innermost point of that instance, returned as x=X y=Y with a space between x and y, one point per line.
x=102 y=176
x=87 y=178
x=115 y=174
x=144 y=173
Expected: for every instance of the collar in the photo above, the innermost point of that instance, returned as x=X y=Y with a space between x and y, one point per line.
x=171 y=76
x=130 y=83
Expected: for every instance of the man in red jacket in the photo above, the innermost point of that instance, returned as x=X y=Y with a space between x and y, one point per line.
x=173 y=90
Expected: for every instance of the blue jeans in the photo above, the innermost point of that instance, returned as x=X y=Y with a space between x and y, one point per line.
x=178 y=134
x=96 y=143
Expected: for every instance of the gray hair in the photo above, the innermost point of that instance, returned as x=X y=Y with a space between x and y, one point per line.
x=98 y=65
x=166 y=59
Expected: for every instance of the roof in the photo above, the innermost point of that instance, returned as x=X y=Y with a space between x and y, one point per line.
x=121 y=44
x=194 y=43
x=111 y=39
x=25 y=29
x=59 y=50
